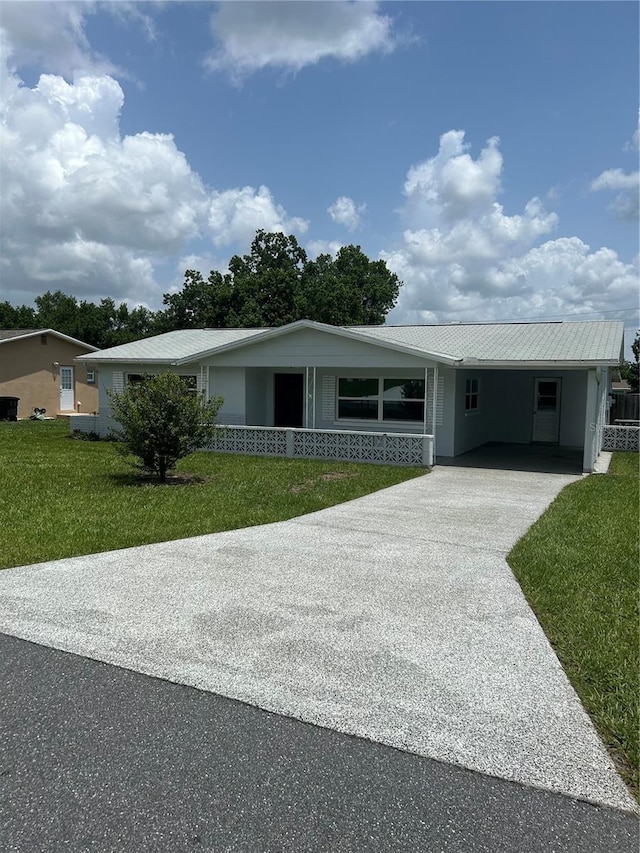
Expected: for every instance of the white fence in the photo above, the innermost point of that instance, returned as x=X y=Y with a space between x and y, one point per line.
x=339 y=445
x=621 y=438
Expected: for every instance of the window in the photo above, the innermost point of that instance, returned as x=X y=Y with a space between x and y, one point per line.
x=190 y=381
x=380 y=399
x=91 y=376
x=135 y=378
x=471 y=395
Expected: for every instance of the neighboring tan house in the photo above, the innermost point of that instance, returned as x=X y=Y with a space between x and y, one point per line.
x=386 y=393
x=38 y=366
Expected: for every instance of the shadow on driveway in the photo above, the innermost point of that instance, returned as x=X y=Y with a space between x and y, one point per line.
x=545 y=459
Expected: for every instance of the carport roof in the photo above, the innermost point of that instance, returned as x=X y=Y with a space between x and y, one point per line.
x=594 y=341
x=469 y=344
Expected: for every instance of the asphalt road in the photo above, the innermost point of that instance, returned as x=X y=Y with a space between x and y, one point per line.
x=98 y=758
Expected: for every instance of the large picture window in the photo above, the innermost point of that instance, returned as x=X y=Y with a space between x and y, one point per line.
x=380 y=399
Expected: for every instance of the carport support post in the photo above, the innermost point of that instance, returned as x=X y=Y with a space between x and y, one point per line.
x=427 y=451
x=590 y=425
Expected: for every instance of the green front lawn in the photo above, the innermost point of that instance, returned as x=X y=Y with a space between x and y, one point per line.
x=578 y=567
x=62 y=497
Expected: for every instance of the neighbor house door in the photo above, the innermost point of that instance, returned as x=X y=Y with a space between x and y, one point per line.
x=288 y=400
x=67 y=402
x=546 y=410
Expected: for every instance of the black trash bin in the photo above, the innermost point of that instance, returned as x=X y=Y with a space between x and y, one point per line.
x=9 y=408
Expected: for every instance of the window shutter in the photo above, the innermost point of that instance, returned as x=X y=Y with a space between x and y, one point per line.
x=328 y=398
x=117 y=381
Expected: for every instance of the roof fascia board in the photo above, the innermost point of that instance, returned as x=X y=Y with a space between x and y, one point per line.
x=64 y=337
x=93 y=360
x=550 y=363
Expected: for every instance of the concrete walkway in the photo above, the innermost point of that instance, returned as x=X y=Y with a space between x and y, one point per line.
x=394 y=617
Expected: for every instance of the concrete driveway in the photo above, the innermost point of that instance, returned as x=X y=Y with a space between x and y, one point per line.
x=394 y=617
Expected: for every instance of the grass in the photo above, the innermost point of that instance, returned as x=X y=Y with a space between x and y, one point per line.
x=62 y=497
x=578 y=567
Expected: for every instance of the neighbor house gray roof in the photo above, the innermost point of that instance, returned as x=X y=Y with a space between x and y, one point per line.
x=7 y=335
x=462 y=343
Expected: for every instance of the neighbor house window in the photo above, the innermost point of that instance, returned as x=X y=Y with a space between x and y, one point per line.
x=380 y=399
x=91 y=377
x=471 y=395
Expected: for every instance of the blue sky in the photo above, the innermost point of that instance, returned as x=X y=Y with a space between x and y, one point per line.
x=487 y=151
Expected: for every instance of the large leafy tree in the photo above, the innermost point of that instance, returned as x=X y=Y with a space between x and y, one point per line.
x=349 y=290
x=161 y=421
x=276 y=283
x=200 y=304
x=266 y=282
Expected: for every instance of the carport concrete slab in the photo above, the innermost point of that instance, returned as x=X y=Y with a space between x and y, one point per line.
x=394 y=617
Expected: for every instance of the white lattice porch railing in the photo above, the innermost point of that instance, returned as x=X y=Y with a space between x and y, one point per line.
x=621 y=438
x=384 y=448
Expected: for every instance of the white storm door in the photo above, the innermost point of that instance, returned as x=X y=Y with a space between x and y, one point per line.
x=67 y=401
x=546 y=410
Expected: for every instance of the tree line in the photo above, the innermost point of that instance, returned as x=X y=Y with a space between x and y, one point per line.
x=274 y=284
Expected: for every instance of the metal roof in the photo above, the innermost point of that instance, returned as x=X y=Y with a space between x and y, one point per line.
x=172 y=346
x=597 y=341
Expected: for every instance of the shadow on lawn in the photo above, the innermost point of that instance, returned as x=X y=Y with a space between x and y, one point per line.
x=176 y=479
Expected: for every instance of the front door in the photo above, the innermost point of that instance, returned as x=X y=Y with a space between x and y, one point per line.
x=546 y=411
x=288 y=400
x=67 y=402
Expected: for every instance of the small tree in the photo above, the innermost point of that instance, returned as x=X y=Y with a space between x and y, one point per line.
x=162 y=420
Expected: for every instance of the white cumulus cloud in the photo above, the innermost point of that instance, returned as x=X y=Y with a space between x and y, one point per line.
x=52 y=35
x=235 y=215
x=322 y=247
x=290 y=35
x=346 y=212
x=465 y=258
x=89 y=211
x=626 y=203
x=452 y=182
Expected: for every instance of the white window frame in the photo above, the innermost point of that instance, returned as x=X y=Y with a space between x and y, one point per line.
x=380 y=400
x=471 y=390
x=91 y=376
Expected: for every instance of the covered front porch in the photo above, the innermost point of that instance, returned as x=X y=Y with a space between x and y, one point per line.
x=543 y=414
